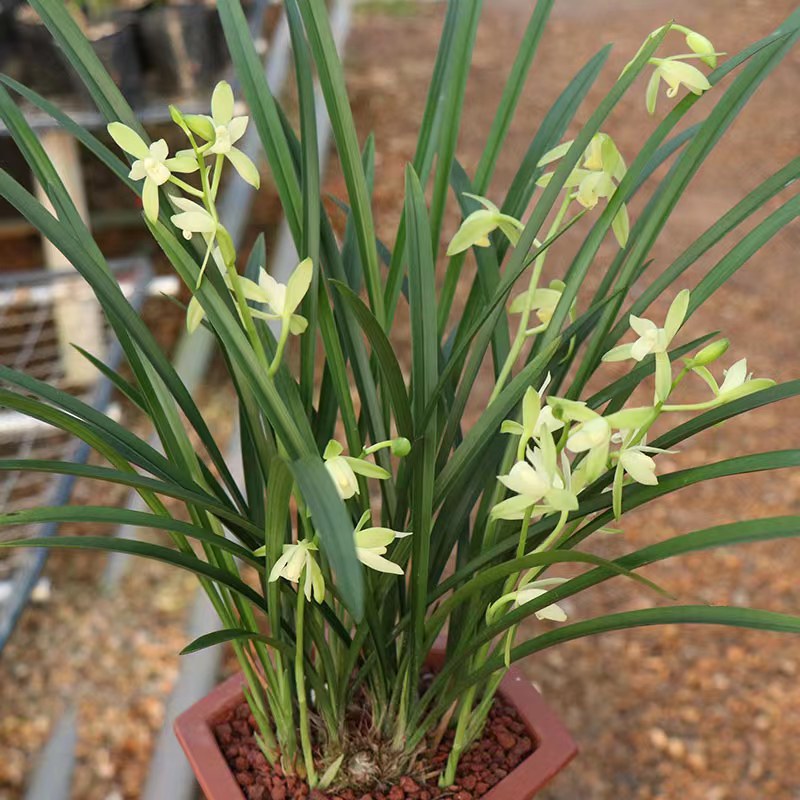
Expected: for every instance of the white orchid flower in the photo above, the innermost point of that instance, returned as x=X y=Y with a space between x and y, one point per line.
x=602 y=169
x=535 y=480
x=153 y=164
x=525 y=594
x=193 y=218
x=298 y=559
x=536 y=420
x=553 y=612
x=634 y=461
x=475 y=229
x=371 y=545
x=343 y=470
x=735 y=376
x=675 y=74
x=543 y=302
x=640 y=466
x=282 y=299
x=738 y=382
x=223 y=130
x=655 y=340
x=593 y=434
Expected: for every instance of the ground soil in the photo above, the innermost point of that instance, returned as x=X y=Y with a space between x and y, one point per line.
x=695 y=713
x=503 y=746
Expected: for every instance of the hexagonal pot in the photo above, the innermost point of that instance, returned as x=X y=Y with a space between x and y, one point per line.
x=554 y=746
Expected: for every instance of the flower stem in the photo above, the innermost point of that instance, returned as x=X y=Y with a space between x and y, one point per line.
x=302 y=702
x=282 y=339
x=185 y=187
x=522 y=329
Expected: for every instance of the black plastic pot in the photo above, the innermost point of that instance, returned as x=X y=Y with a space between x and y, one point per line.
x=34 y=58
x=180 y=47
x=115 y=43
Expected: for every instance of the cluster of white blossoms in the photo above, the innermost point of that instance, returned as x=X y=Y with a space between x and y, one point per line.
x=213 y=138
x=564 y=446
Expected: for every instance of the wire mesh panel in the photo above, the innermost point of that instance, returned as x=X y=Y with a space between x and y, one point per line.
x=35 y=340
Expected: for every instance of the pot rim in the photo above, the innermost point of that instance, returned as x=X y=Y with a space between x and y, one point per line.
x=555 y=748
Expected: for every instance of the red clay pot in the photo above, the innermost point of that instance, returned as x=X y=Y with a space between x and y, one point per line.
x=554 y=746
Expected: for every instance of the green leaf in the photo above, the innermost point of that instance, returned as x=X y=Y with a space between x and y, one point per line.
x=196 y=496
x=386 y=358
x=235 y=635
x=90 y=142
x=424 y=372
x=512 y=90
x=218 y=575
x=698 y=615
x=714 y=234
x=264 y=111
x=108 y=515
x=452 y=101
x=81 y=55
x=334 y=89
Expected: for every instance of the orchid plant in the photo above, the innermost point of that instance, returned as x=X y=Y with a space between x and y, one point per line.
x=372 y=524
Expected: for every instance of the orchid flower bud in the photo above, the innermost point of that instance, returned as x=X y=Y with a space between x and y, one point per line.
x=702 y=46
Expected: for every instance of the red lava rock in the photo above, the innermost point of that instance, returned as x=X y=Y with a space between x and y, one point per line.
x=504 y=745
x=224 y=733
x=409 y=785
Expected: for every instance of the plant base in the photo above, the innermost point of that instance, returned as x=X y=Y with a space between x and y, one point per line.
x=524 y=747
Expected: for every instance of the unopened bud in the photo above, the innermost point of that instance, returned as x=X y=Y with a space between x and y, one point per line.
x=401 y=447
x=702 y=46
x=710 y=353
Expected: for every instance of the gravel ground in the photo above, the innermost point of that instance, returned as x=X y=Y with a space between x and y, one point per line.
x=113 y=656
x=704 y=714
x=697 y=713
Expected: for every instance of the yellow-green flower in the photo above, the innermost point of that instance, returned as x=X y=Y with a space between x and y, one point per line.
x=602 y=169
x=297 y=560
x=371 y=545
x=153 y=164
x=536 y=482
x=553 y=612
x=281 y=299
x=536 y=420
x=343 y=470
x=653 y=339
x=592 y=434
x=475 y=229
x=223 y=130
x=525 y=594
x=193 y=218
x=738 y=382
x=543 y=302
x=675 y=74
